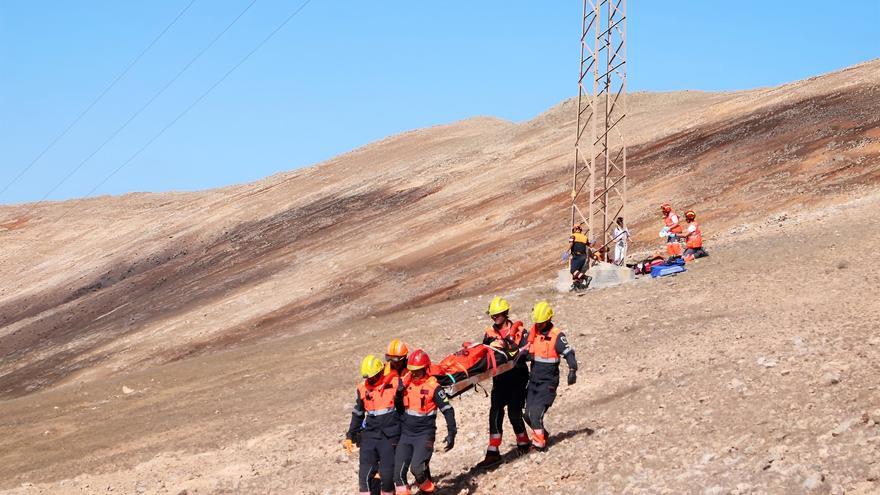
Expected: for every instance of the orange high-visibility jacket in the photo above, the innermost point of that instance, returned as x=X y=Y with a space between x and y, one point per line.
x=379 y=398
x=694 y=238
x=511 y=333
x=391 y=372
x=543 y=347
x=418 y=399
x=671 y=221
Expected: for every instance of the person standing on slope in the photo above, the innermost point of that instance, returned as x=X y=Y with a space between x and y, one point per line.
x=375 y=425
x=672 y=229
x=577 y=247
x=509 y=388
x=693 y=238
x=422 y=398
x=547 y=345
x=621 y=238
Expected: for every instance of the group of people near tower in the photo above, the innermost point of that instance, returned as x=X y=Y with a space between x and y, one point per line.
x=396 y=405
x=581 y=252
x=675 y=234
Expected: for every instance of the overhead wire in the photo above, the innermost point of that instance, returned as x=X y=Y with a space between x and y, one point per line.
x=201 y=97
x=98 y=98
x=148 y=103
x=156 y=136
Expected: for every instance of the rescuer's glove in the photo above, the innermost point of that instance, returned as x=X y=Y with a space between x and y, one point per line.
x=348 y=445
x=572 y=377
x=449 y=441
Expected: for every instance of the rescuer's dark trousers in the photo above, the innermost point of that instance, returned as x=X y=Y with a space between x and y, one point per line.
x=413 y=453
x=695 y=252
x=509 y=393
x=539 y=398
x=377 y=453
x=577 y=264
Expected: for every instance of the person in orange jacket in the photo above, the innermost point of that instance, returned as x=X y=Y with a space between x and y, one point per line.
x=672 y=229
x=422 y=398
x=693 y=238
x=376 y=426
x=508 y=389
x=547 y=347
x=396 y=364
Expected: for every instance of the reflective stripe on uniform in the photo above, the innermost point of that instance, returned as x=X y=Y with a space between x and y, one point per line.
x=380 y=412
x=413 y=412
x=444 y=408
x=546 y=360
x=357 y=412
x=566 y=351
x=494 y=442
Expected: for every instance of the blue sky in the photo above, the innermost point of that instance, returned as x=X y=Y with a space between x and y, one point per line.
x=342 y=74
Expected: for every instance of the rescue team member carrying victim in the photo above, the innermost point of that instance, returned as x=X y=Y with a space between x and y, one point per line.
x=547 y=344
x=395 y=363
x=508 y=389
x=670 y=219
x=577 y=246
x=693 y=238
x=422 y=398
x=375 y=425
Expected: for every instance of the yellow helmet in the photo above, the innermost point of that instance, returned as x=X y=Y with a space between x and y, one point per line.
x=371 y=366
x=498 y=306
x=542 y=312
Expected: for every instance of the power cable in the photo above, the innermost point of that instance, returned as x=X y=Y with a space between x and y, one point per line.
x=96 y=99
x=194 y=103
x=200 y=98
x=148 y=103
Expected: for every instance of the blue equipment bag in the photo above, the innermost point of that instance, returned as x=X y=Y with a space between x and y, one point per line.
x=664 y=270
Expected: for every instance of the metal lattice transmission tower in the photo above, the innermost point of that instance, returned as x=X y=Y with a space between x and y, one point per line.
x=598 y=190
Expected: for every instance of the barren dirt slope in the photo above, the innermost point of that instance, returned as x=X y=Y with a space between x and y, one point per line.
x=236 y=317
x=754 y=372
x=96 y=286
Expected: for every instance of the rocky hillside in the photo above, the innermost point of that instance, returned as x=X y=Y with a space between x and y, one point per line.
x=218 y=311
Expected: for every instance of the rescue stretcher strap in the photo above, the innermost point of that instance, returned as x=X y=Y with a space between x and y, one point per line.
x=463 y=385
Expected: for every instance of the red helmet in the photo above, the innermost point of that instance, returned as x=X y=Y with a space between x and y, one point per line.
x=417 y=360
x=690 y=215
x=666 y=207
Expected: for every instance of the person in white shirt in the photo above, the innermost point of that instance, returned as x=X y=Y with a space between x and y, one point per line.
x=621 y=237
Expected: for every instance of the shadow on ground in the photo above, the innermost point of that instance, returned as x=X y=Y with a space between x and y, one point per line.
x=467 y=480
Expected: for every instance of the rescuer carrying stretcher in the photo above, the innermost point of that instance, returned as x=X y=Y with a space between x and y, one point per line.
x=509 y=388
x=375 y=425
x=422 y=398
x=547 y=345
